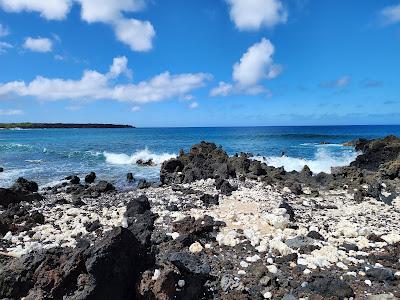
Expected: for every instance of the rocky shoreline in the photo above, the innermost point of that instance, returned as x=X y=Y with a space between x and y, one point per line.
x=216 y=227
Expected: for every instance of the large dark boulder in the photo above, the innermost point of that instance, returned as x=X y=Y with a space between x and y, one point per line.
x=107 y=270
x=103 y=187
x=240 y=164
x=170 y=170
x=8 y=196
x=140 y=219
x=377 y=152
x=22 y=190
x=114 y=265
x=204 y=160
x=25 y=186
x=89 y=178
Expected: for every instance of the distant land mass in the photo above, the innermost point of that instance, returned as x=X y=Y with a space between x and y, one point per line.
x=59 y=125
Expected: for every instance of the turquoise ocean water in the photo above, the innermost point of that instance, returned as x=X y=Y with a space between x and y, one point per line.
x=48 y=155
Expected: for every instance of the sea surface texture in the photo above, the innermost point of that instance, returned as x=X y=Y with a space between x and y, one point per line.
x=49 y=155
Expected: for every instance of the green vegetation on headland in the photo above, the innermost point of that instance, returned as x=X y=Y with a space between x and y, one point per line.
x=27 y=125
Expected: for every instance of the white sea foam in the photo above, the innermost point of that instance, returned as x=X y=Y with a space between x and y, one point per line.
x=146 y=154
x=323 y=161
x=34 y=161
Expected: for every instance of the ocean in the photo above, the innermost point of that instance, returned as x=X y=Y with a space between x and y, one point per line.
x=49 y=155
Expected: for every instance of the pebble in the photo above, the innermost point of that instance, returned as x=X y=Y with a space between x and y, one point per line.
x=342 y=266
x=175 y=235
x=272 y=269
x=267 y=295
x=196 y=247
x=156 y=274
x=181 y=283
x=368 y=282
x=253 y=258
x=244 y=264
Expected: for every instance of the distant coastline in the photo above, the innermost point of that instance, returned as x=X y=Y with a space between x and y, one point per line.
x=59 y=125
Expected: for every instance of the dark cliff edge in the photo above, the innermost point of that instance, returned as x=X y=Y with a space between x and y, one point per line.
x=59 y=125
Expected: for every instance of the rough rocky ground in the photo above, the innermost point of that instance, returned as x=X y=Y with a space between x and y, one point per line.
x=237 y=235
x=259 y=251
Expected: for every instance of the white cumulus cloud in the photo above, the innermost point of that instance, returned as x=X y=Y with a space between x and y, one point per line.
x=48 y=9
x=94 y=86
x=137 y=34
x=108 y=11
x=255 y=65
x=38 y=44
x=254 y=14
x=391 y=14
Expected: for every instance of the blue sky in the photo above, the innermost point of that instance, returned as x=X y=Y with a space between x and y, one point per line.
x=200 y=63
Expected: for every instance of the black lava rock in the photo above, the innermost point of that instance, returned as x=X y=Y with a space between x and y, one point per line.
x=93 y=226
x=129 y=177
x=315 y=235
x=329 y=286
x=143 y=184
x=187 y=262
x=209 y=199
x=89 y=178
x=289 y=210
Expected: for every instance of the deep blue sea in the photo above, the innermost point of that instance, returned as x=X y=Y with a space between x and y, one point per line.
x=49 y=155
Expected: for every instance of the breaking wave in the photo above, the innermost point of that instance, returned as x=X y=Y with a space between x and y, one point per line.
x=322 y=162
x=146 y=154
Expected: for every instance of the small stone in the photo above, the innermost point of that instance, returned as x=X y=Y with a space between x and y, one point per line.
x=253 y=258
x=368 y=282
x=196 y=247
x=342 y=266
x=181 y=283
x=156 y=274
x=175 y=235
x=272 y=269
x=280 y=247
x=244 y=264
x=124 y=223
x=315 y=235
x=241 y=272
x=267 y=295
